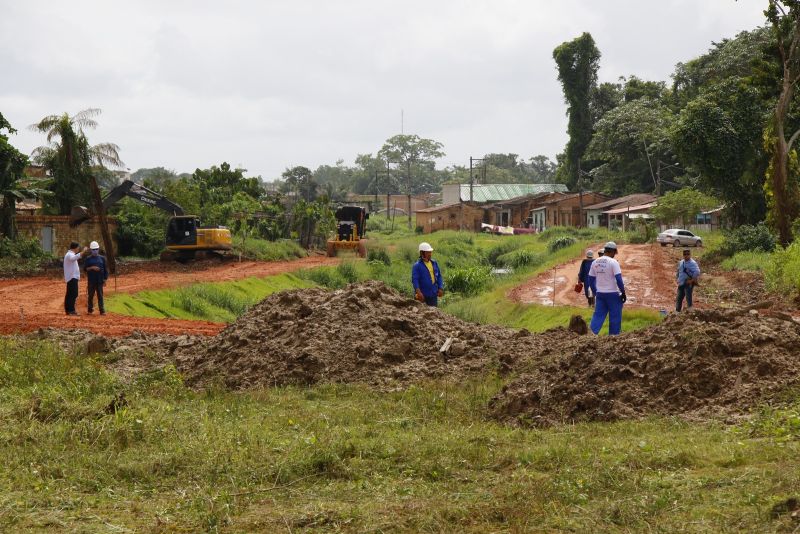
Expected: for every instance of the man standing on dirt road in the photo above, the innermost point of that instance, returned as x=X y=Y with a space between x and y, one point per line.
x=96 y=275
x=72 y=273
x=605 y=278
x=686 y=278
x=426 y=277
x=583 y=276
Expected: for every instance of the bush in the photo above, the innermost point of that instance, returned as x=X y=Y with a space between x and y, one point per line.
x=135 y=237
x=324 y=276
x=782 y=270
x=519 y=259
x=347 y=271
x=748 y=237
x=378 y=255
x=501 y=249
x=22 y=247
x=468 y=280
x=560 y=242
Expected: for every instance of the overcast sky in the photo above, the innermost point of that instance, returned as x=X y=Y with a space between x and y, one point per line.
x=271 y=84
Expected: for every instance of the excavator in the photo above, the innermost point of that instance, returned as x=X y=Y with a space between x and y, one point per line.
x=185 y=235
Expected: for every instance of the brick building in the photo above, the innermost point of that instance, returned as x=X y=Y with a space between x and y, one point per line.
x=54 y=233
x=563 y=210
x=462 y=216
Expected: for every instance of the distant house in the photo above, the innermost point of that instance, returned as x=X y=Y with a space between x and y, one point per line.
x=483 y=193
x=461 y=216
x=563 y=209
x=596 y=216
x=621 y=217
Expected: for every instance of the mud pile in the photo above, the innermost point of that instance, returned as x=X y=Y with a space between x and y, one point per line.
x=366 y=333
x=696 y=365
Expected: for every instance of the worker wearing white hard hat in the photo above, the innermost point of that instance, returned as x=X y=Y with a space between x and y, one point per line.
x=96 y=275
x=605 y=279
x=426 y=277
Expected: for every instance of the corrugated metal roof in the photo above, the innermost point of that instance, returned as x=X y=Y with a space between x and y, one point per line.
x=495 y=192
x=628 y=200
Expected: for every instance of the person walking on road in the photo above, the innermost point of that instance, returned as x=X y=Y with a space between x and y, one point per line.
x=96 y=275
x=72 y=274
x=605 y=278
x=426 y=277
x=686 y=278
x=583 y=277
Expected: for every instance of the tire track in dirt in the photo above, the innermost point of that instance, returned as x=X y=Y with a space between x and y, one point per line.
x=648 y=271
x=32 y=303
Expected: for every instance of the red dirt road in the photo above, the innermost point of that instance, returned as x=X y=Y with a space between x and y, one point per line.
x=648 y=271
x=32 y=303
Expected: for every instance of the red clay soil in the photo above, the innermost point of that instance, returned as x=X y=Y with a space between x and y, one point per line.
x=32 y=303
x=648 y=271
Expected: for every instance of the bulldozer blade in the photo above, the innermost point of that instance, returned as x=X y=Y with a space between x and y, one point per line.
x=78 y=215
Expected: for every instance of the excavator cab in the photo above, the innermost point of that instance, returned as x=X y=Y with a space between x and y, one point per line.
x=182 y=231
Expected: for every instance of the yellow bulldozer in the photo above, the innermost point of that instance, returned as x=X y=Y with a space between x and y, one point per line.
x=351 y=227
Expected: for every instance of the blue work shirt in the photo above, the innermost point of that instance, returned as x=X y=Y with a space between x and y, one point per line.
x=96 y=277
x=686 y=270
x=421 y=278
x=583 y=273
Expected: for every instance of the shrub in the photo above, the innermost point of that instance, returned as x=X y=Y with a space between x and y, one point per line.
x=501 y=249
x=748 y=237
x=136 y=237
x=468 y=280
x=782 y=270
x=520 y=258
x=560 y=242
x=22 y=247
x=347 y=271
x=324 y=276
x=378 y=255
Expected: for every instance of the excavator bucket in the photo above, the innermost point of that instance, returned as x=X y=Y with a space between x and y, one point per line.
x=78 y=215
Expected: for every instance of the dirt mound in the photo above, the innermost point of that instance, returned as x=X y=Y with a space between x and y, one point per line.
x=366 y=333
x=698 y=364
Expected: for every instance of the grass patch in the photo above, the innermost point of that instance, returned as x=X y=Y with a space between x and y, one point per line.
x=263 y=250
x=746 y=261
x=344 y=458
x=220 y=302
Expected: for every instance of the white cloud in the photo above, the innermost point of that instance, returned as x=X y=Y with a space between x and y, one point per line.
x=267 y=85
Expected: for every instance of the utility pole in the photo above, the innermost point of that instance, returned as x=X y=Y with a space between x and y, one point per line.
x=376 y=189
x=408 y=171
x=471 y=177
x=388 y=187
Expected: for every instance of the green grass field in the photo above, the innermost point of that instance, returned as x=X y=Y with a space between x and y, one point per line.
x=344 y=458
x=221 y=301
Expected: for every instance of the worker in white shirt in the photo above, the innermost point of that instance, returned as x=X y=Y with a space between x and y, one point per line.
x=605 y=279
x=72 y=273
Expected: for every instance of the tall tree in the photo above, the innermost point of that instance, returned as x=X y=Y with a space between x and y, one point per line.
x=69 y=157
x=577 y=62
x=782 y=193
x=301 y=180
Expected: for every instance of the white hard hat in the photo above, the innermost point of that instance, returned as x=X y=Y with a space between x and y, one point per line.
x=610 y=246
x=94 y=245
x=589 y=254
x=425 y=247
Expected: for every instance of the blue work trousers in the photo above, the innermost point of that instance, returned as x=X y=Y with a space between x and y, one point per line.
x=684 y=290
x=607 y=304
x=432 y=301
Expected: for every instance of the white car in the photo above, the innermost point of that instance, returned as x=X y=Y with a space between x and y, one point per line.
x=679 y=238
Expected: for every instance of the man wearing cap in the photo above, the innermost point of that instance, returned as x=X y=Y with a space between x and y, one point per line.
x=686 y=278
x=97 y=274
x=583 y=276
x=605 y=278
x=72 y=274
x=426 y=277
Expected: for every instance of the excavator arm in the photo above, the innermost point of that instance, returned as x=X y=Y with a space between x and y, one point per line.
x=130 y=189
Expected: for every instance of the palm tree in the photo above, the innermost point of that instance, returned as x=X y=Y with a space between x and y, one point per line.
x=70 y=157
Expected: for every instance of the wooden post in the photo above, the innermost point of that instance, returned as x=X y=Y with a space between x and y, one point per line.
x=101 y=214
